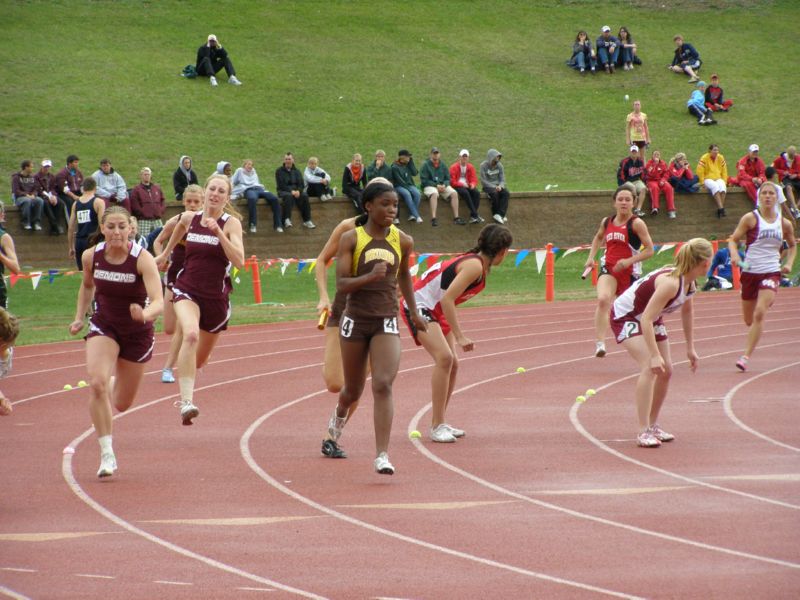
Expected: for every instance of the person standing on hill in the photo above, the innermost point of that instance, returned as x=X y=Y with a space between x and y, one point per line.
x=211 y=58
x=147 y=203
x=493 y=181
x=637 y=131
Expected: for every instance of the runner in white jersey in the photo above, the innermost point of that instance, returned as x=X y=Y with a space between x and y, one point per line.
x=636 y=321
x=764 y=232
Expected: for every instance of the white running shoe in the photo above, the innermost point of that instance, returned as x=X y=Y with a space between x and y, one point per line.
x=660 y=434
x=287 y=223
x=233 y=81
x=441 y=433
x=213 y=81
x=188 y=411
x=457 y=433
x=382 y=464
x=167 y=376
x=335 y=426
x=600 y=349
x=419 y=219
x=309 y=225
x=646 y=439
x=498 y=218
x=108 y=464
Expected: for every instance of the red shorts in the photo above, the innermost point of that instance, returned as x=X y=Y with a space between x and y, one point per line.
x=431 y=316
x=753 y=282
x=625 y=278
x=358 y=329
x=214 y=312
x=135 y=345
x=628 y=328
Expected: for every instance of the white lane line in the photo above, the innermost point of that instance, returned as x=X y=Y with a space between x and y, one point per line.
x=244 y=448
x=254 y=589
x=727 y=404
x=18 y=570
x=94 y=576
x=165 y=582
x=12 y=594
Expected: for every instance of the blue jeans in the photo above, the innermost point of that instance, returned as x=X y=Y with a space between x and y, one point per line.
x=626 y=55
x=252 y=195
x=581 y=58
x=684 y=185
x=602 y=54
x=412 y=197
x=31 y=208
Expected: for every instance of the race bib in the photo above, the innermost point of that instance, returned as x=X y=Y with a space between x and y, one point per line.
x=390 y=325
x=346 y=328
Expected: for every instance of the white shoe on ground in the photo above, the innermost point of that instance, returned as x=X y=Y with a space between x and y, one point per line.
x=167 y=376
x=457 y=433
x=335 y=426
x=309 y=225
x=382 y=464
x=188 y=411
x=600 y=349
x=498 y=219
x=441 y=433
x=108 y=464
x=213 y=81
x=233 y=81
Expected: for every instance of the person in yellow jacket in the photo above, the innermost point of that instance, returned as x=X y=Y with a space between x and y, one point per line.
x=712 y=171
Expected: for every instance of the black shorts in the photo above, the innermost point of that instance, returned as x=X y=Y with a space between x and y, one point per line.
x=357 y=329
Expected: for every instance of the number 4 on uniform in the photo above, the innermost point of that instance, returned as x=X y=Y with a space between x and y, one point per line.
x=390 y=325
x=347 y=327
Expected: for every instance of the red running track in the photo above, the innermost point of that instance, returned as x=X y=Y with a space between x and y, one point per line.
x=544 y=497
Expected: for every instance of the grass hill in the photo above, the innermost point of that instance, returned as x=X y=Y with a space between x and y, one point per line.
x=332 y=77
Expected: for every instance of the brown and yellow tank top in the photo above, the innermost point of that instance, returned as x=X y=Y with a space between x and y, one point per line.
x=377 y=298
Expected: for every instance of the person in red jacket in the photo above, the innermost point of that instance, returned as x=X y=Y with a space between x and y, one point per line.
x=656 y=176
x=715 y=100
x=147 y=203
x=749 y=172
x=464 y=180
x=788 y=167
x=681 y=177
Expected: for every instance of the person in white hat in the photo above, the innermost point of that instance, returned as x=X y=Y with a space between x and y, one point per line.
x=211 y=58
x=607 y=49
x=54 y=206
x=750 y=173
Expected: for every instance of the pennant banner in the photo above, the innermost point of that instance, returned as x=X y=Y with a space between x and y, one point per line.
x=570 y=251
x=521 y=256
x=35 y=278
x=666 y=247
x=540 y=254
x=284 y=265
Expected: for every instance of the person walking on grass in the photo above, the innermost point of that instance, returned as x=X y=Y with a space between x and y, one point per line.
x=637 y=323
x=437 y=293
x=122 y=279
x=764 y=232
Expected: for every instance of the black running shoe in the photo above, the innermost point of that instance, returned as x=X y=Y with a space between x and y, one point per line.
x=331 y=449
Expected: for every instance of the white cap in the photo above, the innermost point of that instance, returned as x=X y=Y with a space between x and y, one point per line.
x=605 y=28
x=634 y=148
x=211 y=36
x=753 y=148
x=47 y=162
x=464 y=152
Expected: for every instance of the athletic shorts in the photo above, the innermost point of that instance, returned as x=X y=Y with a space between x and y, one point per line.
x=629 y=328
x=357 y=329
x=625 y=278
x=135 y=345
x=430 y=316
x=753 y=282
x=214 y=312
x=337 y=308
x=172 y=274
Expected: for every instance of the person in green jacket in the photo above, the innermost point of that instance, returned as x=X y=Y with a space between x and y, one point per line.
x=435 y=178
x=403 y=171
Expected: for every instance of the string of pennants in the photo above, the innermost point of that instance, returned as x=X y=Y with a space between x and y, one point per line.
x=308 y=264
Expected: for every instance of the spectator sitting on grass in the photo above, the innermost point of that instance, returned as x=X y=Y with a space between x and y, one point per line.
x=750 y=173
x=697 y=105
x=712 y=171
x=465 y=180
x=788 y=167
x=25 y=193
x=354 y=180
x=686 y=59
x=715 y=100
x=69 y=182
x=212 y=58
x=607 y=49
x=631 y=170
x=183 y=177
x=583 y=54
x=680 y=175
x=289 y=182
x=147 y=203
x=317 y=180
x=723 y=278
x=627 y=50
x=9 y=330
x=403 y=172
x=111 y=186
x=246 y=184
x=493 y=182
x=656 y=175
x=637 y=131
x=54 y=207
x=435 y=179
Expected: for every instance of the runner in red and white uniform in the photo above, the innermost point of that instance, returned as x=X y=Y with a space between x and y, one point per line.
x=192 y=202
x=440 y=289
x=637 y=324
x=121 y=276
x=202 y=288
x=764 y=232
x=627 y=243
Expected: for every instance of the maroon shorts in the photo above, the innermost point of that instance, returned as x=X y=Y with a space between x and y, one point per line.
x=625 y=278
x=172 y=274
x=135 y=345
x=753 y=282
x=358 y=329
x=214 y=312
x=431 y=316
x=628 y=328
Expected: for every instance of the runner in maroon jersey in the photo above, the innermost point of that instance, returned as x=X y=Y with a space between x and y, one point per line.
x=202 y=288
x=627 y=243
x=437 y=293
x=636 y=320
x=192 y=202
x=121 y=276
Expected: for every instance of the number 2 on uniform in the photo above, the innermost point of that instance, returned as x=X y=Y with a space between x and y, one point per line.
x=630 y=328
x=347 y=327
x=390 y=325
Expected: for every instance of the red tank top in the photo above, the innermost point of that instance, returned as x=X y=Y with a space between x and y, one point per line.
x=206 y=268
x=117 y=287
x=621 y=241
x=428 y=290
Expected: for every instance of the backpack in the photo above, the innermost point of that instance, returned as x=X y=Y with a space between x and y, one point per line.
x=189 y=72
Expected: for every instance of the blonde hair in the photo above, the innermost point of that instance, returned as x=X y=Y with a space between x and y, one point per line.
x=229 y=207
x=193 y=189
x=678 y=156
x=691 y=254
x=9 y=327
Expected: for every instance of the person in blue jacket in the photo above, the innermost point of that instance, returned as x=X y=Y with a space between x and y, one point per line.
x=686 y=59
x=721 y=263
x=697 y=105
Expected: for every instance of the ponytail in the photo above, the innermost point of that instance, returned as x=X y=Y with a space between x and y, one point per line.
x=492 y=240
x=691 y=254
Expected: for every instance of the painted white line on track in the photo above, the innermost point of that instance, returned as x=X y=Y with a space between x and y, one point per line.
x=253 y=589
x=18 y=570
x=165 y=582
x=12 y=594
x=93 y=576
x=727 y=404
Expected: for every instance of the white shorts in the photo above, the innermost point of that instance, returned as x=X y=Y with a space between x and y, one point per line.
x=715 y=186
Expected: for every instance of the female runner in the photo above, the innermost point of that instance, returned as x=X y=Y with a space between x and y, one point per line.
x=121 y=276
x=192 y=202
x=202 y=288
x=764 y=232
x=636 y=320
x=437 y=293
x=371 y=263
x=627 y=243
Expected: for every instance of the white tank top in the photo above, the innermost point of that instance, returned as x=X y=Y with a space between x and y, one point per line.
x=764 y=242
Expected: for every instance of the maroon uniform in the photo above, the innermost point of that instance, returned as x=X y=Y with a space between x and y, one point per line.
x=176 y=260
x=116 y=288
x=205 y=276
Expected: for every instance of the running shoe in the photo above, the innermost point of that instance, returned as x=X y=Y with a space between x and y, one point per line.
x=741 y=364
x=382 y=464
x=167 y=376
x=646 y=439
x=332 y=450
x=599 y=349
x=108 y=464
x=442 y=434
x=457 y=433
x=188 y=411
x=335 y=426
x=660 y=434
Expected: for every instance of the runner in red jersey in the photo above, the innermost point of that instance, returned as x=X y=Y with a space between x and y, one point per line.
x=637 y=324
x=627 y=243
x=192 y=202
x=438 y=292
x=202 y=288
x=120 y=276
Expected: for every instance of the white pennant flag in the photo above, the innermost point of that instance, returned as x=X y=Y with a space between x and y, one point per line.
x=414 y=269
x=540 y=254
x=665 y=247
x=284 y=264
x=35 y=277
x=570 y=251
